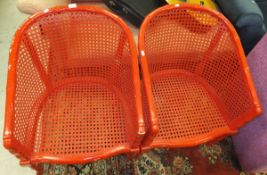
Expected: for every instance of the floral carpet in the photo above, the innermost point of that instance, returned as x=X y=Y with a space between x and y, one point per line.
x=213 y=159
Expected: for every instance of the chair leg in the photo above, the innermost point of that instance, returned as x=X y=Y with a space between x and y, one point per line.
x=38 y=169
x=40 y=172
x=134 y=154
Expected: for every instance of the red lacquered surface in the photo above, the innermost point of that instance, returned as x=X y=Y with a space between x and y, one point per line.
x=73 y=90
x=196 y=80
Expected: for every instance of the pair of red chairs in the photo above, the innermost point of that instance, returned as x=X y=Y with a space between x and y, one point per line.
x=74 y=92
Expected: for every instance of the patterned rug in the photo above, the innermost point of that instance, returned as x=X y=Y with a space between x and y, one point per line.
x=214 y=159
